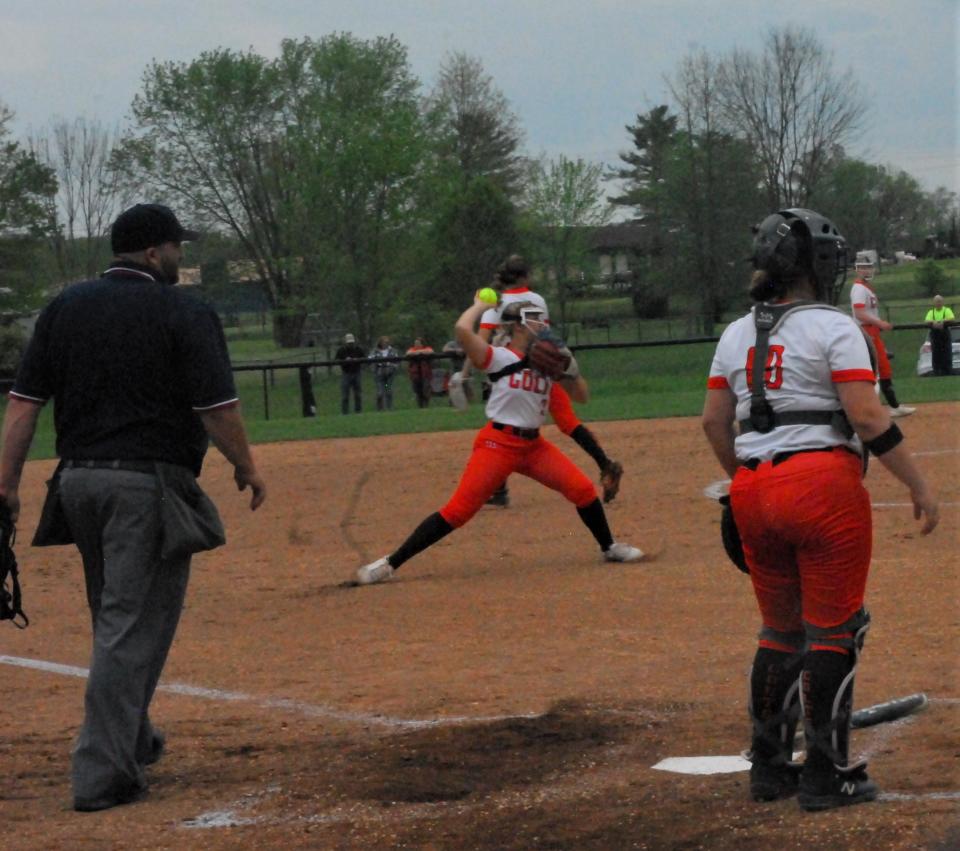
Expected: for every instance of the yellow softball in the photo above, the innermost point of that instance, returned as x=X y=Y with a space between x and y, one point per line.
x=489 y=295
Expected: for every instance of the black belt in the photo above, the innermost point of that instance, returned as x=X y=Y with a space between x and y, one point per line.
x=114 y=464
x=516 y=431
x=780 y=457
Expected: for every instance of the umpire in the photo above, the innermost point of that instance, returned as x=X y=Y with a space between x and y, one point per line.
x=140 y=377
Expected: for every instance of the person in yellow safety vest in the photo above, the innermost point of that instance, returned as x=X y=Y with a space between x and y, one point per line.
x=938 y=320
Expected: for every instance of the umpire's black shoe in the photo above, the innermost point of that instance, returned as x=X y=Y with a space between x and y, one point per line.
x=115 y=798
x=158 y=744
x=842 y=787
x=771 y=782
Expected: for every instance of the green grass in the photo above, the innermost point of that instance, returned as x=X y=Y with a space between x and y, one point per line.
x=625 y=383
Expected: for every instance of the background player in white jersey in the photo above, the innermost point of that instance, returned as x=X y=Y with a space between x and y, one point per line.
x=510 y=442
x=513 y=282
x=796 y=374
x=865 y=307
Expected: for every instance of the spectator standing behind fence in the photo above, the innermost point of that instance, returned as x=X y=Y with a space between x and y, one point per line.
x=383 y=372
x=139 y=375
x=350 y=353
x=939 y=319
x=421 y=371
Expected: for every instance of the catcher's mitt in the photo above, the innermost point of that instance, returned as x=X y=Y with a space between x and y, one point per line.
x=10 y=607
x=730 y=536
x=610 y=477
x=549 y=359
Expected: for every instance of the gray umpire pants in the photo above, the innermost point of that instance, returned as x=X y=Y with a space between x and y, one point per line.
x=135 y=601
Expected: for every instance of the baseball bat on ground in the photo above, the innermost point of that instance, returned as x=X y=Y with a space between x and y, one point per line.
x=882 y=713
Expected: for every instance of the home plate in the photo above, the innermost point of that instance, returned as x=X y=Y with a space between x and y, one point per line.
x=703 y=764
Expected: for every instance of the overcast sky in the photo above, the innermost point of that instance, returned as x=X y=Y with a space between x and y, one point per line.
x=576 y=71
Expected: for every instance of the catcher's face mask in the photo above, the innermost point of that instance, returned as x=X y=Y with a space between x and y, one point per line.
x=531 y=318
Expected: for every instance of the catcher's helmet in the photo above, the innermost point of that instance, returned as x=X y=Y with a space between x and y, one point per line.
x=795 y=241
x=524 y=312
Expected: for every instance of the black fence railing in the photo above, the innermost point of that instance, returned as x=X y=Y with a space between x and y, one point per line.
x=268 y=367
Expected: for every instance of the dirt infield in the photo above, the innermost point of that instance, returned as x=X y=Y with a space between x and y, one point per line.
x=507 y=690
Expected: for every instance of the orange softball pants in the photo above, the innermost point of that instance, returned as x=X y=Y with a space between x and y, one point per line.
x=806 y=528
x=496 y=455
x=884 y=370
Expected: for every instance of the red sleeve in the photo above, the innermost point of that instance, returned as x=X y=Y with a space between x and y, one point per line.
x=717 y=382
x=488 y=357
x=561 y=409
x=842 y=375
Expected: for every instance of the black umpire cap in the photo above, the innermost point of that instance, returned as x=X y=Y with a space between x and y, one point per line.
x=144 y=226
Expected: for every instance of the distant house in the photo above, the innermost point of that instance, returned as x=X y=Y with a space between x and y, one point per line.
x=617 y=247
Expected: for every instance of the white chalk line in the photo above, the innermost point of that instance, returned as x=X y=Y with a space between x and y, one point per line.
x=919 y=796
x=232 y=814
x=906 y=504
x=309 y=710
x=938 y=452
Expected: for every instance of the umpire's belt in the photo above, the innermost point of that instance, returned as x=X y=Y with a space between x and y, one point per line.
x=114 y=464
x=516 y=431
x=780 y=457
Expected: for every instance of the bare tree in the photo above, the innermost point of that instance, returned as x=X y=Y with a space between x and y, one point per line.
x=794 y=108
x=478 y=130
x=89 y=194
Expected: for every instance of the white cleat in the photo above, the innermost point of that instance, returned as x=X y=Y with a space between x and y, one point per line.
x=902 y=411
x=377 y=571
x=622 y=553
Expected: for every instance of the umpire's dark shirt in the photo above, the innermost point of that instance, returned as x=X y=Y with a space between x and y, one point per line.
x=129 y=361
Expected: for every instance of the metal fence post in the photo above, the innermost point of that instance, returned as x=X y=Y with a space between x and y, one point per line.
x=266 y=396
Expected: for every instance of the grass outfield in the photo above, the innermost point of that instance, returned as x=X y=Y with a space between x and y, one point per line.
x=637 y=383
x=625 y=383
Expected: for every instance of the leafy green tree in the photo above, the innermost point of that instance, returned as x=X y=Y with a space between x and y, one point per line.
x=472 y=179
x=875 y=207
x=564 y=203
x=476 y=131
x=26 y=185
x=653 y=136
x=930 y=278
x=710 y=191
x=309 y=160
x=357 y=140
x=474 y=229
x=643 y=181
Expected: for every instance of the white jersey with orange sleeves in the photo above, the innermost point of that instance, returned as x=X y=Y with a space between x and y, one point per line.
x=519 y=399
x=812 y=350
x=863 y=296
x=491 y=317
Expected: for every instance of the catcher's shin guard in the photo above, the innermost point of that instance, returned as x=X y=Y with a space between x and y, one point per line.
x=828 y=780
x=775 y=711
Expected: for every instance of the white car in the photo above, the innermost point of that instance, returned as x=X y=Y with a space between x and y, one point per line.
x=925 y=358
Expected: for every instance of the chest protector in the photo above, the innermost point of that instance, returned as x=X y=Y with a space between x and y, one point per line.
x=767 y=318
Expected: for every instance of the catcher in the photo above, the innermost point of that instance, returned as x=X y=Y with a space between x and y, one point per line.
x=522 y=375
